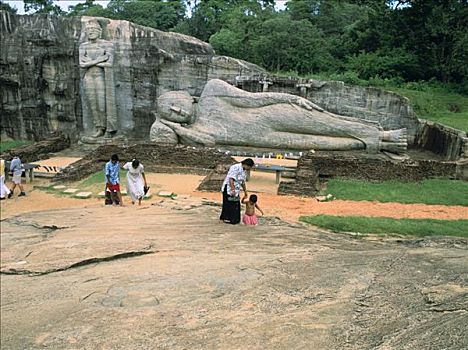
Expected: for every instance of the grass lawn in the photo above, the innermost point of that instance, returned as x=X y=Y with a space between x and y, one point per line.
x=368 y=225
x=433 y=191
x=7 y=145
x=438 y=105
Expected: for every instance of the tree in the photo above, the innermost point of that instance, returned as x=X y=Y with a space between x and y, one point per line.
x=43 y=6
x=88 y=8
x=158 y=14
x=6 y=7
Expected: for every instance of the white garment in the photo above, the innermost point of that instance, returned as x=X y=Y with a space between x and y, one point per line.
x=238 y=174
x=135 y=182
x=4 y=190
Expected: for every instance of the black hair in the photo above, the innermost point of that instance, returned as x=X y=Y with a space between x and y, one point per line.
x=135 y=163
x=249 y=162
x=253 y=198
x=115 y=157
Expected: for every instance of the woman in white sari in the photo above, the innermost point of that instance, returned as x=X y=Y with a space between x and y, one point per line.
x=136 y=180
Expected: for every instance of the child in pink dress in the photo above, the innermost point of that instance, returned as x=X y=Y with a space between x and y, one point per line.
x=249 y=217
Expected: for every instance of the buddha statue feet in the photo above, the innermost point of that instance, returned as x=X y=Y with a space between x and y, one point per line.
x=395 y=141
x=399 y=135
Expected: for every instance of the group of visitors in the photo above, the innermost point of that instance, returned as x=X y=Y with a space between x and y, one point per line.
x=16 y=167
x=137 y=187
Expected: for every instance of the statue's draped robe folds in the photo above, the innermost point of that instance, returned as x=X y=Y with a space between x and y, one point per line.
x=98 y=87
x=225 y=115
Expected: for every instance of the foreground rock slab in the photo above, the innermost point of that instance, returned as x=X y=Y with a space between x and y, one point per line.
x=170 y=276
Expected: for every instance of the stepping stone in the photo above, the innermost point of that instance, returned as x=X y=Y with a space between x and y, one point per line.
x=165 y=194
x=148 y=196
x=101 y=194
x=43 y=187
x=59 y=187
x=83 y=195
x=70 y=190
x=123 y=192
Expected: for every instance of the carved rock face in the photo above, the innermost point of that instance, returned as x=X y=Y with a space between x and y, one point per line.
x=147 y=63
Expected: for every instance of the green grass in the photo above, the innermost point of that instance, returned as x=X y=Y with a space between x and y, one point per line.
x=7 y=145
x=97 y=179
x=367 y=225
x=439 y=105
x=433 y=191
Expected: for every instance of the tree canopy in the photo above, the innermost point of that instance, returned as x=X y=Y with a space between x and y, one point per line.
x=407 y=40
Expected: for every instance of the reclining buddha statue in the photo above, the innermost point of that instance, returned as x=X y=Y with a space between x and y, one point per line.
x=226 y=115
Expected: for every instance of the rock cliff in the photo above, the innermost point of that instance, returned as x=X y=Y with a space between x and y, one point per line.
x=40 y=73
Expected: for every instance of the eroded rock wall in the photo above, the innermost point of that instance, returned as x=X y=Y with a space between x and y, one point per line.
x=39 y=79
x=445 y=141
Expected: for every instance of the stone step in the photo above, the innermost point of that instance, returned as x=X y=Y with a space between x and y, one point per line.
x=166 y=194
x=70 y=190
x=83 y=195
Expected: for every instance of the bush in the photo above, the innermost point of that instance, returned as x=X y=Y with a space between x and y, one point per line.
x=386 y=64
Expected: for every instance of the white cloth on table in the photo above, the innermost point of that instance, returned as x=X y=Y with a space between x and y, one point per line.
x=238 y=174
x=135 y=182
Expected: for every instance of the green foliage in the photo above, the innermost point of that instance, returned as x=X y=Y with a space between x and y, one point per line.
x=433 y=191
x=42 y=6
x=7 y=145
x=163 y=15
x=6 y=7
x=88 y=8
x=98 y=180
x=440 y=103
x=358 y=41
x=387 y=63
x=370 y=225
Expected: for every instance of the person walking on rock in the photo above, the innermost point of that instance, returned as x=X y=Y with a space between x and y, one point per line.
x=136 y=180
x=112 y=172
x=235 y=179
x=16 y=166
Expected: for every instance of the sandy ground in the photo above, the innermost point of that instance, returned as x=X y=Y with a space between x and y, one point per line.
x=288 y=208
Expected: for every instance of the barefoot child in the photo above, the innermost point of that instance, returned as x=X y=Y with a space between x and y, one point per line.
x=249 y=217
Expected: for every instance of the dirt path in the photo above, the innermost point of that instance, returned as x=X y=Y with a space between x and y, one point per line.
x=288 y=208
